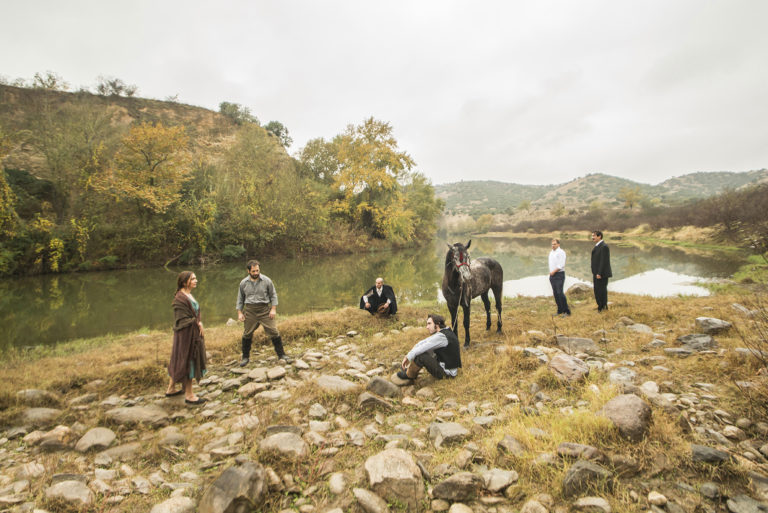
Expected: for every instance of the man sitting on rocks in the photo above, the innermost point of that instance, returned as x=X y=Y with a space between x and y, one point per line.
x=439 y=352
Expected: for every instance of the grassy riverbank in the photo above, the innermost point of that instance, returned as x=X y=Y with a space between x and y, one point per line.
x=133 y=368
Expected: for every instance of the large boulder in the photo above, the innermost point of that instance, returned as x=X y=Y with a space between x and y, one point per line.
x=151 y=415
x=711 y=326
x=179 y=504
x=334 y=384
x=584 y=476
x=383 y=387
x=240 y=488
x=459 y=487
x=630 y=414
x=447 y=433
x=369 y=501
x=579 y=290
x=72 y=492
x=568 y=368
x=697 y=342
x=35 y=397
x=286 y=445
x=394 y=475
x=573 y=345
x=98 y=438
x=40 y=417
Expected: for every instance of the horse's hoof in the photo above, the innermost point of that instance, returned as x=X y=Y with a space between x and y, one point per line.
x=466 y=346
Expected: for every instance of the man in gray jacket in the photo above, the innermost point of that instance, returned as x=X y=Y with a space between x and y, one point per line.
x=257 y=305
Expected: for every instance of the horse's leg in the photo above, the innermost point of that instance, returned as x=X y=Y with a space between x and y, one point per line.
x=454 y=310
x=497 y=297
x=466 y=325
x=487 y=304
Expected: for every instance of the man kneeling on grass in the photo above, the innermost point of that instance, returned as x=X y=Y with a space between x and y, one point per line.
x=439 y=352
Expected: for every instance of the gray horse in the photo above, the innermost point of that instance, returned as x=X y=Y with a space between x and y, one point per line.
x=464 y=280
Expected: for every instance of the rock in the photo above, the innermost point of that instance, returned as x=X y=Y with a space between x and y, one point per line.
x=59 y=438
x=745 y=504
x=337 y=483
x=459 y=487
x=496 y=480
x=98 y=438
x=73 y=492
x=383 y=387
x=458 y=507
x=533 y=506
x=585 y=475
x=367 y=400
x=31 y=470
x=640 y=328
x=276 y=373
x=151 y=415
x=656 y=499
x=34 y=397
x=630 y=414
x=251 y=389
x=622 y=376
x=697 y=342
x=704 y=454
x=369 y=501
x=40 y=417
x=580 y=451
x=710 y=490
x=239 y=488
x=579 y=290
x=536 y=336
x=335 y=384
x=447 y=433
x=593 y=504
x=510 y=445
x=288 y=445
x=734 y=433
x=259 y=375
x=573 y=345
x=394 y=475
x=711 y=326
x=568 y=368
x=317 y=411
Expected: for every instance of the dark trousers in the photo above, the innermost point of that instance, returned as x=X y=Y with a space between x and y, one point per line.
x=601 y=292
x=557 y=281
x=429 y=361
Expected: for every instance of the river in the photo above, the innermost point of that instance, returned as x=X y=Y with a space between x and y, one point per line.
x=42 y=310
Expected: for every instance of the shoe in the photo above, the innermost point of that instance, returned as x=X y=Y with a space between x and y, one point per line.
x=199 y=400
x=172 y=394
x=245 y=361
x=403 y=375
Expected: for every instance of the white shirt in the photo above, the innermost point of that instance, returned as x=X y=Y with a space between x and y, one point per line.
x=557 y=260
x=378 y=293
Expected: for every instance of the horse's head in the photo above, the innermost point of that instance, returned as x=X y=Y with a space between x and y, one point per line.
x=458 y=258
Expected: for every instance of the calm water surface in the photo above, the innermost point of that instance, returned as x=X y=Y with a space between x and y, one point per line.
x=54 y=308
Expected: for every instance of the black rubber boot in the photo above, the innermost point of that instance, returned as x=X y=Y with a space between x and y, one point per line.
x=277 y=342
x=246 y=344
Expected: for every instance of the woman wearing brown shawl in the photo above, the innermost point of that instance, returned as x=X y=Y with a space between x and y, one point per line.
x=188 y=352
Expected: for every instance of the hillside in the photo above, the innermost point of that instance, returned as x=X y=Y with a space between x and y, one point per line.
x=489 y=197
x=92 y=181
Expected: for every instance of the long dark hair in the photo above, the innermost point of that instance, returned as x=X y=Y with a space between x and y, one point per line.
x=182 y=279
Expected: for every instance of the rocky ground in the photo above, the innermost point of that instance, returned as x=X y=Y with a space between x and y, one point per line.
x=620 y=418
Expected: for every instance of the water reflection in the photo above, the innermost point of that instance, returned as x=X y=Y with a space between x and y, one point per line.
x=47 y=309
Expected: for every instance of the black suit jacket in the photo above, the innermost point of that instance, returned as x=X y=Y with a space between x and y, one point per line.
x=386 y=293
x=601 y=261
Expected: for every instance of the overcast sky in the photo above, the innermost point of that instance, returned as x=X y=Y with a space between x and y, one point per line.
x=528 y=92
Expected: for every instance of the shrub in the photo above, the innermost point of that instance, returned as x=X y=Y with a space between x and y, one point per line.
x=233 y=252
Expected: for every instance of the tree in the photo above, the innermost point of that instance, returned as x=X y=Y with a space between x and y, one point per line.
x=237 y=113
x=150 y=167
x=8 y=217
x=631 y=196
x=596 y=206
x=525 y=205
x=110 y=86
x=484 y=223
x=50 y=81
x=280 y=131
x=319 y=160
x=558 y=209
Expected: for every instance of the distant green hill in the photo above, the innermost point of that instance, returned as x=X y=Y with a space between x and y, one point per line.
x=490 y=197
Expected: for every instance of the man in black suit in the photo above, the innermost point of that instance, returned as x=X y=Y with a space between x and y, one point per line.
x=601 y=270
x=379 y=299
